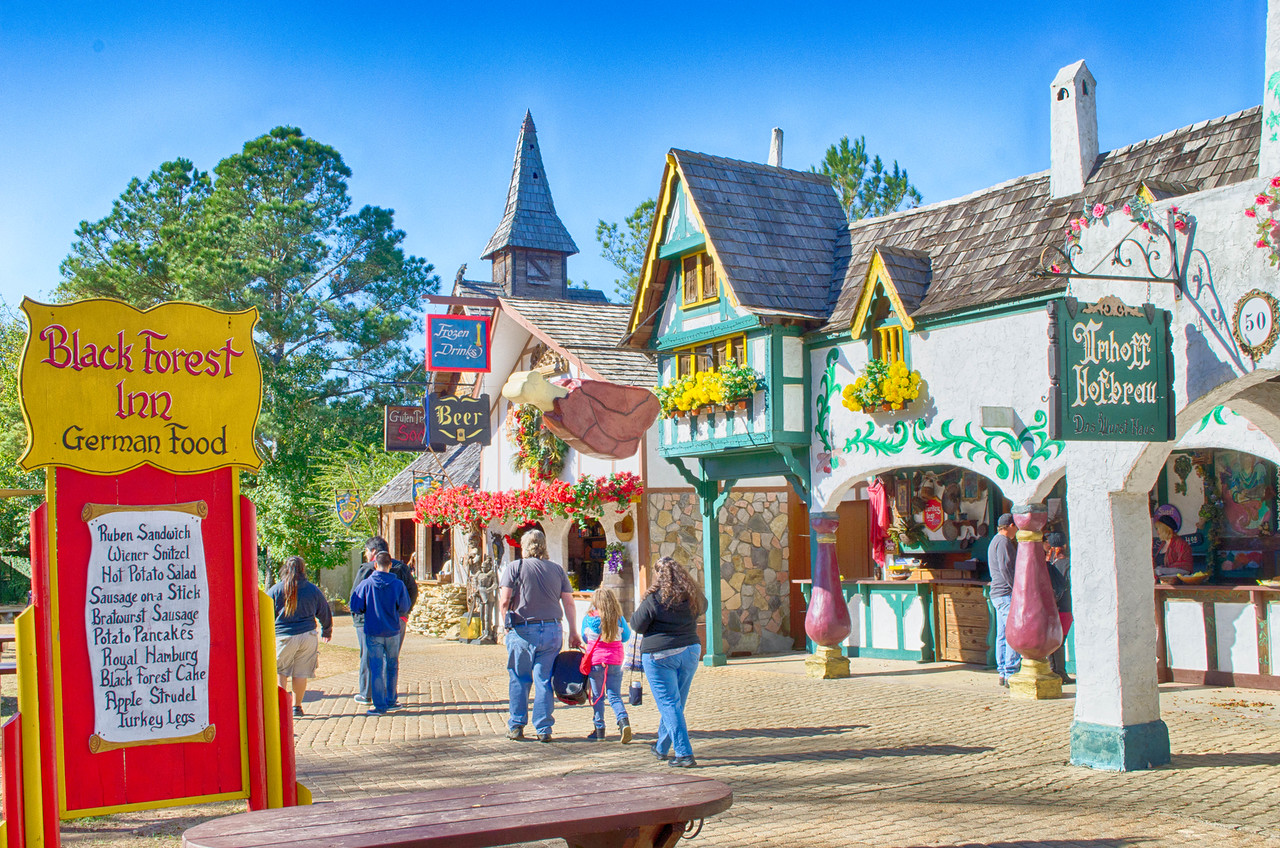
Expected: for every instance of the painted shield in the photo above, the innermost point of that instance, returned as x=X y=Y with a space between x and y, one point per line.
x=348 y=505
x=423 y=483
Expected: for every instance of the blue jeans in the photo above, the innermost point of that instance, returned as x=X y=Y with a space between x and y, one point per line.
x=531 y=651
x=384 y=668
x=1007 y=659
x=610 y=678
x=365 y=684
x=669 y=681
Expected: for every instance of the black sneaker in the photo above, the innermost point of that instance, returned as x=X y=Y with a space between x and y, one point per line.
x=544 y=737
x=656 y=755
x=683 y=762
x=516 y=734
x=596 y=735
x=624 y=727
x=297 y=712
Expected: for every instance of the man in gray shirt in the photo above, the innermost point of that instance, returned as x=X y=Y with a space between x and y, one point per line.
x=532 y=593
x=1001 y=555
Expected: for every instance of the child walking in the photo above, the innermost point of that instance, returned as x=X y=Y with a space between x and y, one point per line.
x=605 y=625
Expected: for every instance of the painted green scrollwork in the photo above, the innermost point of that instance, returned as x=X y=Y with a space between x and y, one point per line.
x=991 y=447
x=826 y=388
x=864 y=441
x=1217 y=415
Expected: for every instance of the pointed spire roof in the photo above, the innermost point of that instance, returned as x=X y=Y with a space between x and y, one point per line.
x=530 y=219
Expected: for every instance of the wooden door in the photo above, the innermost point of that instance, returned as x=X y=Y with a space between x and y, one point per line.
x=853 y=540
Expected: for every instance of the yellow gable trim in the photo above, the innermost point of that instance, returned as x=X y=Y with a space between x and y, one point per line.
x=878 y=276
x=721 y=274
x=1145 y=194
x=649 y=269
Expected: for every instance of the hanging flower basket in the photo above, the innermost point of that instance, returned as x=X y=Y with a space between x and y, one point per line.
x=883 y=387
x=706 y=390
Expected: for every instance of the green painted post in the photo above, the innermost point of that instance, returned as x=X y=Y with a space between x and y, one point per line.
x=711 y=576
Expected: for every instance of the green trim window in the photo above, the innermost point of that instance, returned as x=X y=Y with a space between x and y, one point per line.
x=698 y=277
x=711 y=355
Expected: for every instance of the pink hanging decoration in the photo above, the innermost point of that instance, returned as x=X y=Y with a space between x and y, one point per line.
x=879 y=530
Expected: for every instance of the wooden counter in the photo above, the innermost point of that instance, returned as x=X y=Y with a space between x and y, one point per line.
x=1218 y=635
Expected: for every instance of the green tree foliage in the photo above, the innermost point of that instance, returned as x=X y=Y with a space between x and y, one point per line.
x=14 y=512
x=337 y=298
x=625 y=246
x=865 y=186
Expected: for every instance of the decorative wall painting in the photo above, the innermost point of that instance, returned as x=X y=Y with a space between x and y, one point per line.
x=1246 y=484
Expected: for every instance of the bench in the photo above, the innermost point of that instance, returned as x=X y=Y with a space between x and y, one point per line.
x=587 y=811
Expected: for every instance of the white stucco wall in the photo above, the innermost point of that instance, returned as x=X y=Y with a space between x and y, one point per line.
x=999 y=362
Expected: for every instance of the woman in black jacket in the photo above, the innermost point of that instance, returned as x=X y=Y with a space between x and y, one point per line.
x=668 y=618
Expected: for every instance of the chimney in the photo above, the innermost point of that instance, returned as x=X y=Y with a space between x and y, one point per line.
x=1269 y=149
x=1073 y=130
x=775 y=148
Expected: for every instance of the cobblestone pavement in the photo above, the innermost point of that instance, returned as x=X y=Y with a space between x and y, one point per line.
x=897 y=755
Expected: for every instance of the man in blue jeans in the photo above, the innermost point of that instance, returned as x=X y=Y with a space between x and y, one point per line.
x=372 y=547
x=1001 y=556
x=383 y=599
x=532 y=591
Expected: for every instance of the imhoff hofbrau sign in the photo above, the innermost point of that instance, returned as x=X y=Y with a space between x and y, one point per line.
x=147 y=619
x=107 y=387
x=1110 y=372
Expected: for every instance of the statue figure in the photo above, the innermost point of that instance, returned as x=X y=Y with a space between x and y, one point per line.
x=486 y=602
x=497 y=548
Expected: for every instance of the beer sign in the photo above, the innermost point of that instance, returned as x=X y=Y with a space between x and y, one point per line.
x=1110 y=372
x=458 y=420
x=457 y=343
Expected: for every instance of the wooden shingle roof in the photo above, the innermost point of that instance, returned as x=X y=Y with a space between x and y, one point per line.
x=588 y=333
x=983 y=247
x=530 y=219
x=461 y=463
x=773 y=230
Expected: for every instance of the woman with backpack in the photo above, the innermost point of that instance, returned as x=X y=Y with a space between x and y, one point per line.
x=668 y=618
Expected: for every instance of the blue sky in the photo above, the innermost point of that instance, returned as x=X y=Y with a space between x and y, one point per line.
x=425 y=100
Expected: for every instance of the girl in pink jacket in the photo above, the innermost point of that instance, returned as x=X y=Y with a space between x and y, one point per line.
x=605 y=630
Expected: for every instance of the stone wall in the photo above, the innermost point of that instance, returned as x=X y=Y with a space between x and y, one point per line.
x=754 y=580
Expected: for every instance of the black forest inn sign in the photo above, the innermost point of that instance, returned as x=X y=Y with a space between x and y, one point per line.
x=1110 y=372
x=455 y=420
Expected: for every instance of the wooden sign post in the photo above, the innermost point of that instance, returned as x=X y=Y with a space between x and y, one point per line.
x=146 y=664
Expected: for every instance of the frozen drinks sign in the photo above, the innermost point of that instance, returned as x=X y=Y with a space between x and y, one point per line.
x=147 y=619
x=106 y=387
x=1110 y=372
x=457 y=343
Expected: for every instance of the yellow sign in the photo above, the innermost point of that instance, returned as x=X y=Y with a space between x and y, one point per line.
x=106 y=387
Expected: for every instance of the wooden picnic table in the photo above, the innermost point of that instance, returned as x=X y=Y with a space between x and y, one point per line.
x=587 y=811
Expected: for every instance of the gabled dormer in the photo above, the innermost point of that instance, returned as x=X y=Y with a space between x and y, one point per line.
x=897 y=281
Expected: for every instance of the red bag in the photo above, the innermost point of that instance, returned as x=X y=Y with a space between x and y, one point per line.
x=585 y=665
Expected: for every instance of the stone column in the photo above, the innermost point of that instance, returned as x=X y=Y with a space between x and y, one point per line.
x=710 y=501
x=1117 y=723
x=1034 y=629
x=827 y=620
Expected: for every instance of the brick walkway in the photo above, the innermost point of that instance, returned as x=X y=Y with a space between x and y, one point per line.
x=898 y=755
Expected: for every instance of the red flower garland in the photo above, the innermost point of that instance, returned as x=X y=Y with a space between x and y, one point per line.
x=461 y=505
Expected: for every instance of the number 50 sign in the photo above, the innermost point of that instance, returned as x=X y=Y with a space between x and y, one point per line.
x=1255 y=325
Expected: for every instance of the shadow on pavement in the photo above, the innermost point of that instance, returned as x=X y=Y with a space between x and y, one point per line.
x=850 y=754
x=776 y=732
x=1036 y=843
x=1190 y=761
